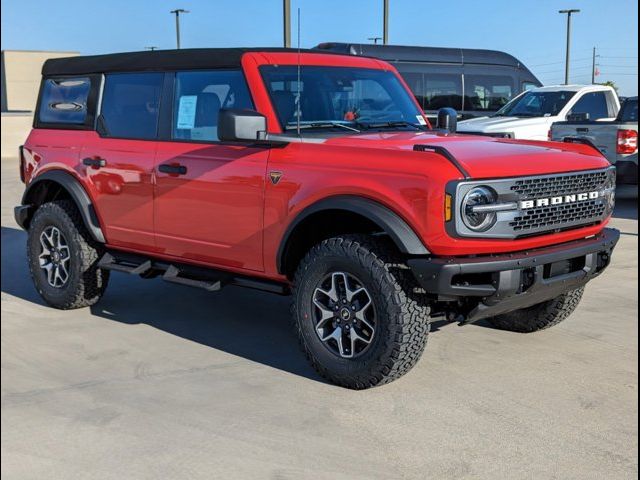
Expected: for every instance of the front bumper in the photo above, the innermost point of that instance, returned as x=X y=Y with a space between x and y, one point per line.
x=487 y=286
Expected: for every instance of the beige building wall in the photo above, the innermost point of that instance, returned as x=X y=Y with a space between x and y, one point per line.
x=21 y=71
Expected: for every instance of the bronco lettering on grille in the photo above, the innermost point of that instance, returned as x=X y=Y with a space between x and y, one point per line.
x=559 y=200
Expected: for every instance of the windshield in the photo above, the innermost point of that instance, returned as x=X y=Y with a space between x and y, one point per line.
x=536 y=104
x=344 y=98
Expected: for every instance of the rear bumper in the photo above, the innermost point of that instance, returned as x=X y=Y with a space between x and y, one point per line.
x=492 y=285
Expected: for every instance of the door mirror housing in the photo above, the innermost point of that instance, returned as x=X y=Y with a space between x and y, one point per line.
x=236 y=125
x=447 y=120
x=578 y=117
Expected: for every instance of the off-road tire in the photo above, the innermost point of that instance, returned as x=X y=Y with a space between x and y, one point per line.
x=86 y=282
x=401 y=311
x=541 y=316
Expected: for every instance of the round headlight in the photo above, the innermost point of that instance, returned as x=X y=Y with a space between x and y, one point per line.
x=474 y=218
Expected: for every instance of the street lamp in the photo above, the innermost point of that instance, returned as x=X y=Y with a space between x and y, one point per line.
x=385 y=22
x=177 y=13
x=568 y=55
x=374 y=39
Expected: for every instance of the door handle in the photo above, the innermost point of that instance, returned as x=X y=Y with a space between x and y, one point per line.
x=95 y=162
x=173 y=169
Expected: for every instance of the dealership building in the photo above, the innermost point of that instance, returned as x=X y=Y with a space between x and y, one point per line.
x=20 y=83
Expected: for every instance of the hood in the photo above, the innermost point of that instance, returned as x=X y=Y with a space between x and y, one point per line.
x=502 y=124
x=487 y=157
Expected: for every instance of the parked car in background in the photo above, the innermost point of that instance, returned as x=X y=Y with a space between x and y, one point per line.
x=617 y=139
x=530 y=115
x=473 y=82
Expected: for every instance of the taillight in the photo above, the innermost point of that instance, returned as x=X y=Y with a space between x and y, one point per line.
x=21 y=160
x=627 y=141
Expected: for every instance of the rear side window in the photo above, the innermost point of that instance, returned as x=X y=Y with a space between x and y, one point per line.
x=130 y=105
x=64 y=101
x=595 y=104
x=487 y=92
x=629 y=112
x=200 y=95
x=435 y=91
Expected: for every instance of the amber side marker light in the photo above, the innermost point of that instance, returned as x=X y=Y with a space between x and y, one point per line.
x=447 y=208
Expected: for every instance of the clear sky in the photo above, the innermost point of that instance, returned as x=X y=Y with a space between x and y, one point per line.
x=531 y=30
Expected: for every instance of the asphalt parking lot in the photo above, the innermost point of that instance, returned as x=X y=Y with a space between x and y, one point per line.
x=164 y=381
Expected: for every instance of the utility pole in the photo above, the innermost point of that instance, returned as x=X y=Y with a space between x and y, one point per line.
x=385 y=23
x=177 y=13
x=286 y=21
x=568 y=55
x=374 y=39
x=593 y=67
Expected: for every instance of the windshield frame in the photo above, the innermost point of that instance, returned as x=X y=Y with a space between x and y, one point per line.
x=355 y=125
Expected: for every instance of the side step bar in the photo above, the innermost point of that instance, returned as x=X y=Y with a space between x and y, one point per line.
x=190 y=275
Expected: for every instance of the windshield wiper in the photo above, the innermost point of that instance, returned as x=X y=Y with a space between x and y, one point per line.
x=321 y=125
x=396 y=124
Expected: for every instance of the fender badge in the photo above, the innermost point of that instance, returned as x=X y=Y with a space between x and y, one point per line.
x=275 y=177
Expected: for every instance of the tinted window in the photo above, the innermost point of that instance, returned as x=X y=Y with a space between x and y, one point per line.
x=435 y=91
x=629 y=112
x=130 y=104
x=487 y=92
x=595 y=104
x=536 y=104
x=339 y=95
x=200 y=96
x=64 y=100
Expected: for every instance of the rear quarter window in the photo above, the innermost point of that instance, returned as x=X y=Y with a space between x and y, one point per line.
x=65 y=101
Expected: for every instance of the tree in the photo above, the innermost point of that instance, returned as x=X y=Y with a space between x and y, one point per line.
x=610 y=83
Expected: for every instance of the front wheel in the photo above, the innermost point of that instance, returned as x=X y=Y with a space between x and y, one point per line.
x=358 y=312
x=541 y=316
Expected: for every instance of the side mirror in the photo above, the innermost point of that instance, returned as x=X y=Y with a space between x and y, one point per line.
x=578 y=117
x=447 y=120
x=235 y=125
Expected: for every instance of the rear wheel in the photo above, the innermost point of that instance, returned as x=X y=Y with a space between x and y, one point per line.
x=63 y=257
x=541 y=316
x=357 y=312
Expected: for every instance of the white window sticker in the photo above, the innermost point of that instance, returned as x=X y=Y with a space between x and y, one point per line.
x=187 y=112
x=421 y=120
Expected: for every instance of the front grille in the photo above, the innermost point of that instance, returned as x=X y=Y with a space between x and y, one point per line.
x=557 y=216
x=554 y=200
x=561 y=185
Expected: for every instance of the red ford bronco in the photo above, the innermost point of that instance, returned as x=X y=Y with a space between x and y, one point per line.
x=310 y=174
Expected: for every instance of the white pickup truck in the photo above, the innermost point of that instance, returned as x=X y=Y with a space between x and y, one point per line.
x=530 y=115
x=617 y=139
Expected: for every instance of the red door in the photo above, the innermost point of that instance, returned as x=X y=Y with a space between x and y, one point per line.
x=121 y=172
x=209 y=203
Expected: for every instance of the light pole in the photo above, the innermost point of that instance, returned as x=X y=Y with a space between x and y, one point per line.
x=150 y=48
x=177 y=13
x=568 y=56
x=385 y=23
x=286 y=22
x=374 y=39
x=594 y=66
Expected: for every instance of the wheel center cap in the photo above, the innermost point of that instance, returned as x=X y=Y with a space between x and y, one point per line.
x=345 y=314
x=55 y=256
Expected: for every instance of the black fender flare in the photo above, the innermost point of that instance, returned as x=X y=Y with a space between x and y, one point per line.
x=390 y=222
x=77 y=193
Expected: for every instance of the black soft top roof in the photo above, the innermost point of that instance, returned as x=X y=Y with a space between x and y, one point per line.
x=156 y=60
x=401 y=53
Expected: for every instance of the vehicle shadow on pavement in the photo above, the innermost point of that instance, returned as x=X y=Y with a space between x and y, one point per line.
x=626 y=208
x=246 y=323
